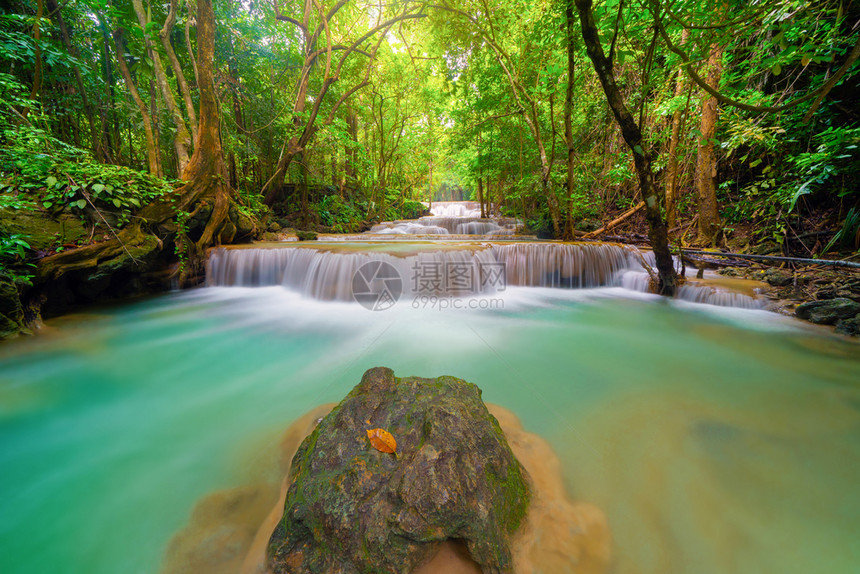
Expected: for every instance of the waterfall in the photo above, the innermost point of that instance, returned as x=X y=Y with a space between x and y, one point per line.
x=564 y=265
x=451 y=218
x=721 y=297
x=444 y=225
x=327 y=274
x=456 y=209
x=477 y=269
x=408 y=228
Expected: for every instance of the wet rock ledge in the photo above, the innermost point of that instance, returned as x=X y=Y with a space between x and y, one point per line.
x=351 y=508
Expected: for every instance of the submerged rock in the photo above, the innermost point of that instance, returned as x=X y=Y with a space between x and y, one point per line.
x=351 y=508
x=828 y=311
x=849 y=326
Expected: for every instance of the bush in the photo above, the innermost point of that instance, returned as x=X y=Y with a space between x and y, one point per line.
x=411 y=209
x=338 y=214
x=48 y=173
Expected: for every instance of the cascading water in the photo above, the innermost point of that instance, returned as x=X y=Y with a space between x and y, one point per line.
x=451 y=218
x=456 y=209
x=326 y=273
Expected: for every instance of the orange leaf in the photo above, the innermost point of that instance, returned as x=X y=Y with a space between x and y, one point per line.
x=382 y=440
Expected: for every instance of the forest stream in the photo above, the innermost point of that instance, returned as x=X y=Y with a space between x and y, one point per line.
x=714 y=438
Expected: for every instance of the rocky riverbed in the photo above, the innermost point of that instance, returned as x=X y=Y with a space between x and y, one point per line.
x=820 y=296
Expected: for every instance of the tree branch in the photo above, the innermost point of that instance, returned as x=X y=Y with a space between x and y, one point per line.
x=825 y=89
x=688 y=68
x=284 y=18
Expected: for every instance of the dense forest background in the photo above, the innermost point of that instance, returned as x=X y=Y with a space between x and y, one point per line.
x=199 y=123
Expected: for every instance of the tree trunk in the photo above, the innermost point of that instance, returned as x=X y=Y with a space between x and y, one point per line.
x=546 y=172
x=430 y=186
x=151 y=149
x=672 y=161
x=334 y=174
x=182 y=138
x=190 y=9
x=164 y=35
x=706 y=164
x=153 y=105
x=88 y=110
x=633 y=138
x=206 y=173
x=568 y=118
x=352 y=130
x=107 y=71
x=37 y=55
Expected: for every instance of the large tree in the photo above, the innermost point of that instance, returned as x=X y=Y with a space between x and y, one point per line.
x=643 y=155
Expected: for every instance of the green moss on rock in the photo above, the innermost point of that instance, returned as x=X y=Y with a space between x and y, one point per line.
x=42 y=231
x=11 y=311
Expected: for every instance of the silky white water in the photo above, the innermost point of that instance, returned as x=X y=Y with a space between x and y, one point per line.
x=715 y=439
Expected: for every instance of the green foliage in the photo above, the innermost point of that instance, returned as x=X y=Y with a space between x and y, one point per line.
x=180 y=247
x=39 y=169
x=411 y=209
x=849 y=235
x=584 y=205
x=835 y=155
x=13 y=254
x=338 y=214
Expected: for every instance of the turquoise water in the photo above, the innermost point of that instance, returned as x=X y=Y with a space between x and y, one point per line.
x=716 y=440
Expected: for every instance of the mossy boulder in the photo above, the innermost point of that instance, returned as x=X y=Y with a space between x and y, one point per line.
x=353 y=509
x=778 y=277
x=306 y=235
x=828 y=311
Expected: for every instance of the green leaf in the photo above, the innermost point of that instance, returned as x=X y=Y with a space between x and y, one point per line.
x=777 y=69
x=116 y=202
x=47 y=204
x=51 y=181
x=81 y=203
x=98 y=188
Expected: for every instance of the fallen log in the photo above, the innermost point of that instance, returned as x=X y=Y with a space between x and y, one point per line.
x=781 y=259
x=628 y=238
x=696 y=262
x=615 y=221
